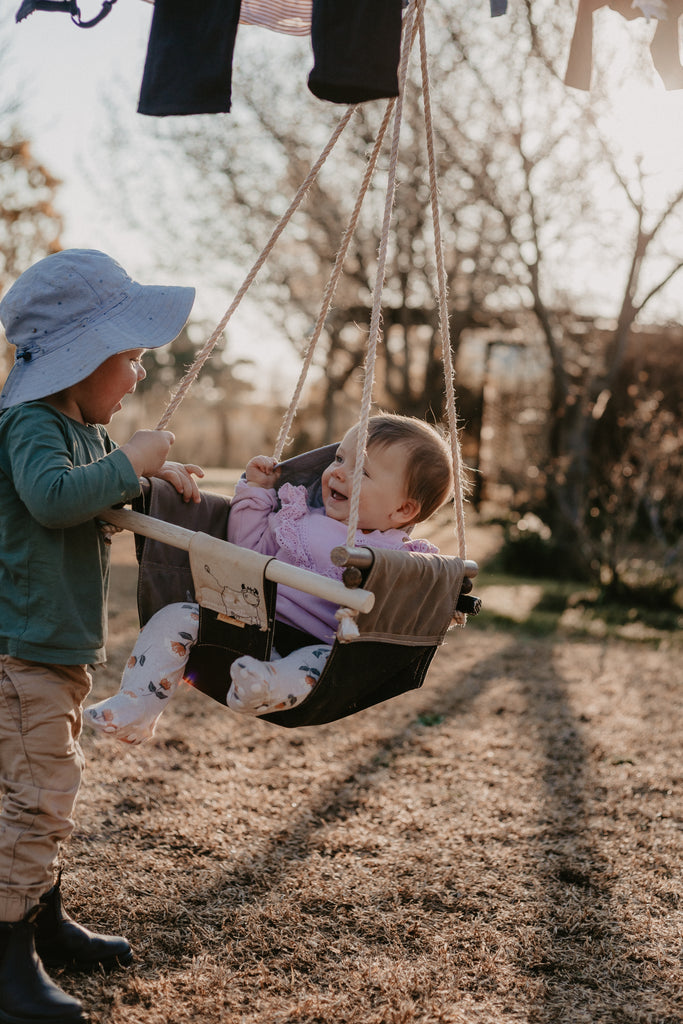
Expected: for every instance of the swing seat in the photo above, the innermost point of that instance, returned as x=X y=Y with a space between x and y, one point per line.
x=416 y=596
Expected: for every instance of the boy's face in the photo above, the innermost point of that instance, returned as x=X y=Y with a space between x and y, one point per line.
x=99 y=396
x=383 y=501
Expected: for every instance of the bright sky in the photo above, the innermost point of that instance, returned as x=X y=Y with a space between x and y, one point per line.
x=65 y=73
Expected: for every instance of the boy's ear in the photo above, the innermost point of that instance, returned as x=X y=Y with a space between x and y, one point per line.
x=407 y=512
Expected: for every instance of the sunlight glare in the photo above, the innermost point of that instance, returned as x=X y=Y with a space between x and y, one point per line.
x=649 y=122
x=646 y=120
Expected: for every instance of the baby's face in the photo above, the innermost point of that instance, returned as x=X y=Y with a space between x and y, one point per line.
x=383 y=501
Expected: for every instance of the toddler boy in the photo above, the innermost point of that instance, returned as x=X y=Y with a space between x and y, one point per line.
x=80 y=326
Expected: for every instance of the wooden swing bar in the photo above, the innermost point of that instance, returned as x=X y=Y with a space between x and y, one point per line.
x=361 y=558
x=357 y=599
x=344 y=594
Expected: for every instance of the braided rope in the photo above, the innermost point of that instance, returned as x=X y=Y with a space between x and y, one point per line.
x=208 y=347
x=373 y=338
x=447 y=355
x=413 y=26
x=332 y=285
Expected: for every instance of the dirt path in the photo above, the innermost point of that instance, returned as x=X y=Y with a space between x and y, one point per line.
x=502 y=845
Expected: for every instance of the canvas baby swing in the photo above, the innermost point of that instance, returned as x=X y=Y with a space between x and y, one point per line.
x=394 y=606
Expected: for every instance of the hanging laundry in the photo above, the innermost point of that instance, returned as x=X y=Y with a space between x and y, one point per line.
x=188 y=67
x=65 y=6
x=664 y=47
x=292 y=17
x=357 y=49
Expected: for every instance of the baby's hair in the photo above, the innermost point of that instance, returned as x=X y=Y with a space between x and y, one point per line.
x=429 y=469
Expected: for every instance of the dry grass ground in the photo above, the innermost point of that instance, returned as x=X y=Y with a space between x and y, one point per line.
x=502 y=845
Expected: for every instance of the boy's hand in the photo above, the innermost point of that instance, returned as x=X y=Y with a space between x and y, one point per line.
x=147 y=450
x=182 y=478
x=262 y=471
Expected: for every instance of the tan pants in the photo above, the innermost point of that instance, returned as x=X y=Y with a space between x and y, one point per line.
x=40 y=774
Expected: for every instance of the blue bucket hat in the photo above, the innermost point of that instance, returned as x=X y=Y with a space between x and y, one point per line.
x=70 y=312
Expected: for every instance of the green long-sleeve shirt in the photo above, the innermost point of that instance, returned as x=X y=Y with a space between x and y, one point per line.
x=55 y=475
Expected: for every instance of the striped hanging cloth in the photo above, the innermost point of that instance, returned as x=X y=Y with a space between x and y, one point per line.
x=290 y=16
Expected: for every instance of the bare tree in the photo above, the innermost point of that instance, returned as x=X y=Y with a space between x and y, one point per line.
x=30 y=223
x=547 y=196
x=538 y=203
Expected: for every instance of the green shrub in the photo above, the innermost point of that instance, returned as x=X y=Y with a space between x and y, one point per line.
x=529 y=549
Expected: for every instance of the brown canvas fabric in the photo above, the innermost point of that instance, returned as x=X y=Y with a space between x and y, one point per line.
x=165 y=575
x=415 y=597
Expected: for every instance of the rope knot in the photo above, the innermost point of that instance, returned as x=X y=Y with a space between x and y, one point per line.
x=348 y=627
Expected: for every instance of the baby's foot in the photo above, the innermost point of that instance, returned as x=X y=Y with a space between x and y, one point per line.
x=126 y=716
x=250 y=690
x=261 y=686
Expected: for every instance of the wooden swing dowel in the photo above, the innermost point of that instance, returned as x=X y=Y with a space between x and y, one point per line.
x=362 y=558
x=156 y=529
x=320 y=586
x=279 y=572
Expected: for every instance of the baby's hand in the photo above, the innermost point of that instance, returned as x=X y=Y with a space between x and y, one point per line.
x=181 y=476
x=262 y=471
x=147 y=450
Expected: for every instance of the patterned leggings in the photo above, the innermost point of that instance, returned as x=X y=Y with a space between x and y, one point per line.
x=157 y=665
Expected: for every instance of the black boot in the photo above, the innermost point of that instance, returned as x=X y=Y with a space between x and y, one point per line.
x=27 y=994
x=60 y=942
